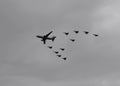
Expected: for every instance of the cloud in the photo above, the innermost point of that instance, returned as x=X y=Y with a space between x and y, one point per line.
x=106 y=22
x=33 y=81
x=107 y=17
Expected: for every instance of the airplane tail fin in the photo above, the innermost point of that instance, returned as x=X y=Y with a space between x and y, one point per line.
x=53 y=38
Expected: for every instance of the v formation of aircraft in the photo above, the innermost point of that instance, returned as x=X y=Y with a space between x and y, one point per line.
x=46 y=37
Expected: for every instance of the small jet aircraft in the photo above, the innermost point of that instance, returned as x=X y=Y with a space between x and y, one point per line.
x=59 y=55
x=62 y=49
x=66 y=33
x=73 y=40
x=56 y=52
x=86 y=32
x=76 y=31
x=95 y=35
x=50 y=47
x=64 y=58
x=45 y=37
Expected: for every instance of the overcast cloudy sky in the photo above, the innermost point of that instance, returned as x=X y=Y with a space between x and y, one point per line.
x=92 y=61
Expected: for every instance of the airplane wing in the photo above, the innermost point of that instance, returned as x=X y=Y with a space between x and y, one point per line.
x=39 y=36
x=48 y=34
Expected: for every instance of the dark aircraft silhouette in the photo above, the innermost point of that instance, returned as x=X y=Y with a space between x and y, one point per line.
x=59 y=55
x=45 y=37
x=64 y=58
x=50 y=47
x=73 y=40
x=66 y=33
x=95 y=35
x=56 y=52
x=62 y=49
x=86 y=32
x=76 y=31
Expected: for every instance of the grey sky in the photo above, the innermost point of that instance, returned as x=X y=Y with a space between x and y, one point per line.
x=92 y=61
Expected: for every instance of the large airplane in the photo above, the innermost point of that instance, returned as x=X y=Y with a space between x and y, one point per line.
x=45 y=37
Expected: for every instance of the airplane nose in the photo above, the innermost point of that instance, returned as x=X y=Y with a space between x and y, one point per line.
x=37 y=36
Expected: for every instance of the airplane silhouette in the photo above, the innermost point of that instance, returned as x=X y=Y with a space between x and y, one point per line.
x=59 y=55
x=56 y=52
x=50 y=47
x=66 y=33
x=76 y=31
x=73 y=40
x=95 y=35
x=62 y=49
x=64 y=58
x=45 y=37
x=86 y=32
